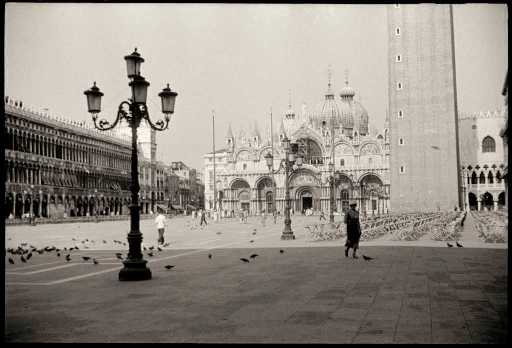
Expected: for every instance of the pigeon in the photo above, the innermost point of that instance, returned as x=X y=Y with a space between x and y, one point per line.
x=11 y=261
x=254 y=233
x=58 y=254
x=367 y=258
x=253 y=256
x=29 y=256
x=95 y=261
x=150 y=254
x=167 y=244
x=255 y=230
x=86 y=258
x=449 y=245
x=73 y=239
x=244 y=259
x=219 y=232
x=104 y=242
x=159 y=249
x=209 y=256
x=151 y=248
x=119 y=256
x=281 y=251
x=169 y=266
x=68 y=257
x=23 y=259
x=145 y=248
x=23 y=244
x=251 y=241
x=458 y=244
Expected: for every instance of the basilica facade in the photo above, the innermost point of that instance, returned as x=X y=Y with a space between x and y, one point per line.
x=337 y=131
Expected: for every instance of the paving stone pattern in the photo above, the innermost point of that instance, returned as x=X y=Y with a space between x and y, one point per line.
x=305 y=295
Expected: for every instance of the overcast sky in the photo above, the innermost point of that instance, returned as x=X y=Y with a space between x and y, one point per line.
x=239 y=60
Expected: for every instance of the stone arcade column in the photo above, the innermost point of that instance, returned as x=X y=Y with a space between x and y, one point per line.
x=479 y=204
x=496 y=205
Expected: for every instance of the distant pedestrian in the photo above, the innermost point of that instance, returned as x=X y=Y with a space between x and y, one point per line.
x=160 y=222
x=353 y=230
x=322 y=215
x=203 y=218
x=274 y=214
x=263 y=218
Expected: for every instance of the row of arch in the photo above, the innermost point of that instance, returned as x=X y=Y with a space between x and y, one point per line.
x=486 y=201
x=482 y=178
x=37 y=174
x=312 y=148
x=23 y=141
x=47 y=205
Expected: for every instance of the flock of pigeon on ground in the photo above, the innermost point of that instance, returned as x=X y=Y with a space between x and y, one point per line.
x=26 y=251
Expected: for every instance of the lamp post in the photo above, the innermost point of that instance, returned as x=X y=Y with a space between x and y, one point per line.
x=133 y=111
x=291 y=159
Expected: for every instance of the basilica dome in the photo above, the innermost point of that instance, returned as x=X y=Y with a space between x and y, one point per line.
x=327 y=112
x=353 y=115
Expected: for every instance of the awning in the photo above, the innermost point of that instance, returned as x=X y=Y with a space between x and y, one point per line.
x=176 y=207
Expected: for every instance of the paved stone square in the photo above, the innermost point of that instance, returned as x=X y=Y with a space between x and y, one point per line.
x=407 y=294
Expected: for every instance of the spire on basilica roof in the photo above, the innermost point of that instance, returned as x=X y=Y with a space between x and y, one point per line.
x=230 y=132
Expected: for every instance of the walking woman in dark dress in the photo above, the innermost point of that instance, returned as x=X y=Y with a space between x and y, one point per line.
x=353 y=230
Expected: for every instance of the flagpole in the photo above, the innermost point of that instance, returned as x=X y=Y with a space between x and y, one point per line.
x=214 y=155
x=272 y=147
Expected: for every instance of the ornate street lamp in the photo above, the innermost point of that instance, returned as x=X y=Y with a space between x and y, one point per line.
x=133 y=111
x=291 y=158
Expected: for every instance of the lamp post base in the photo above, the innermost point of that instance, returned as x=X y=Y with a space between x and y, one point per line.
x=287 y=236
x=134 y=270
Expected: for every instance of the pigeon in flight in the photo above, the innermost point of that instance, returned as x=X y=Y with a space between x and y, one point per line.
x=119 y=256
x=458 y=244
x=151 y=247
x=150 y=254
x=29 y=256
x=22 y=259
x=95 y=261
x=68 y=257
x=367 y=258
x=86 y=258
x=159 y=249
x=449 y=245
x=169 y=266
x=244 y=259
x=11 y=261
x=166 y=245
x=253 y=256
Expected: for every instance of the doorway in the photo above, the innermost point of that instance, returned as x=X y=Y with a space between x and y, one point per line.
x=306 y=200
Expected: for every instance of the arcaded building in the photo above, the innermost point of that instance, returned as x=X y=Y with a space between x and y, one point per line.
x=482 y=159
x=361 y=155
x=422 y=109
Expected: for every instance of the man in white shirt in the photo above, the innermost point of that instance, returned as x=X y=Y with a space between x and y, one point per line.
x=160 y=222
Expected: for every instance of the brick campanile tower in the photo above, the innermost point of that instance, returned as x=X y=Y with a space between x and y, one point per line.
x=424 y=157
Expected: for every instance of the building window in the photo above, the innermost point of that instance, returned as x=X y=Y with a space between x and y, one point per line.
x=397 y=31
x=482 y=178
x=342 y=162
x=398 y=58
x=245 y=166
x=400 y=114
x=401 y=141
x=399 y=85
x=488 y=144
x=402 y=169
